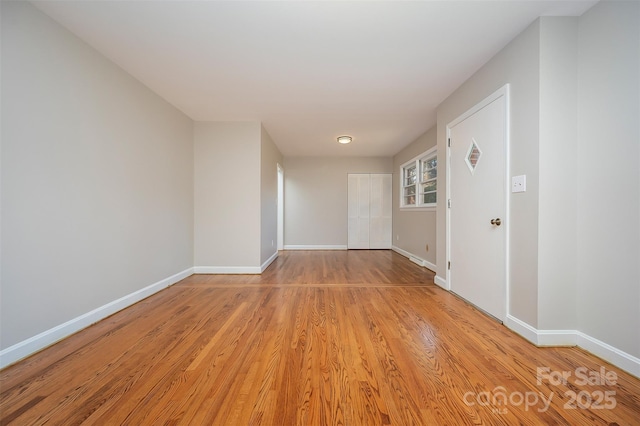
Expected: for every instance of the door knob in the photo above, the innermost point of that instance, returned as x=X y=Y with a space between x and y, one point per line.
x=496 y=222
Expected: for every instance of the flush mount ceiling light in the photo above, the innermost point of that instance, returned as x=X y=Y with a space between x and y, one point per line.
x=344 y=139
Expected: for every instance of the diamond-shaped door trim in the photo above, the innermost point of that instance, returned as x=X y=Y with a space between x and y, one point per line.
x=473 y=156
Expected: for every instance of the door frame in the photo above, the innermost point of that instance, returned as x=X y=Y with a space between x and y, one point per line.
x=280 y=208
x=501 y=92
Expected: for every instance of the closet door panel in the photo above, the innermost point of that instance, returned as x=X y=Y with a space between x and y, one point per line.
x=358 y=211
x=380 y=208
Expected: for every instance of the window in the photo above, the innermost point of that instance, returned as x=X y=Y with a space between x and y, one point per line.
x=419 y=183
x=409 y=187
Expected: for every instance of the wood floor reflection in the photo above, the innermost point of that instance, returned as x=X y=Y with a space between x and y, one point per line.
x=321 y=338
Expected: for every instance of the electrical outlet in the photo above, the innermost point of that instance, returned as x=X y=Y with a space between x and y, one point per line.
x=397 y=237
x=519 y=183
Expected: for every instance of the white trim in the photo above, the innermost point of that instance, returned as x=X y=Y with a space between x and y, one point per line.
x=522 y=328
x=315 y=247
x=557 y=338
x=40 y=341
x=269 y=261
x=415 y=259
x=402 y=252
x=236 y=270
x=280 y=208
x=226 y=270
x=430 y=266
x=442 y=282
x=615 y=356
x=506 y=89
x=418 y=209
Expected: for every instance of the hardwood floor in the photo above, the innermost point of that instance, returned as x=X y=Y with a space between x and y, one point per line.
x=321 y=338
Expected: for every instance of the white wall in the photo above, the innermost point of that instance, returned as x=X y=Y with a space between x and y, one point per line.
x=414 y=230
x=227 y=196
x=558 y=148
x=316 y=197
x=270 y=157
x=608 y=190
x=518 y=65
x=97 y=179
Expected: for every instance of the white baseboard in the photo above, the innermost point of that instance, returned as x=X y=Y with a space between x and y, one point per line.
x=237 y=270
x=416 y=259
x=403 y=252
x=615 y=356
x=557 y=338
x=430 y=266
x=442 y=282
x=227 y=270
x=269 y=261
x=40 y=341
x=314 y=247
x=522 y=328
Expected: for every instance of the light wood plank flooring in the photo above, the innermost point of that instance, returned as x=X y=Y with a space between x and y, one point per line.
x=321 y=338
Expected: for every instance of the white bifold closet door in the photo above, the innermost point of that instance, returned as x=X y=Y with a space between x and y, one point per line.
x=369 y=210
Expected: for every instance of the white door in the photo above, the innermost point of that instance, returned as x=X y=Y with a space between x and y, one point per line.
x=358 y=211
x=477 y=216
x=380 y=206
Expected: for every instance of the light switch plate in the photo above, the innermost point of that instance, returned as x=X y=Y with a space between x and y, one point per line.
x=519 y=183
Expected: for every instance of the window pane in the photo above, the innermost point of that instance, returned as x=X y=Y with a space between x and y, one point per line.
x=429 y=174
x=429 y=198
x=410 y=190
x=410 y=200
x=429 y=186
x=410 y=175
x=430 y=163
x=410 y=171
x=429 y=168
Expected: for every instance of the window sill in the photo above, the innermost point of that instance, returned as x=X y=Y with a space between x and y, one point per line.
x=418 y=209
